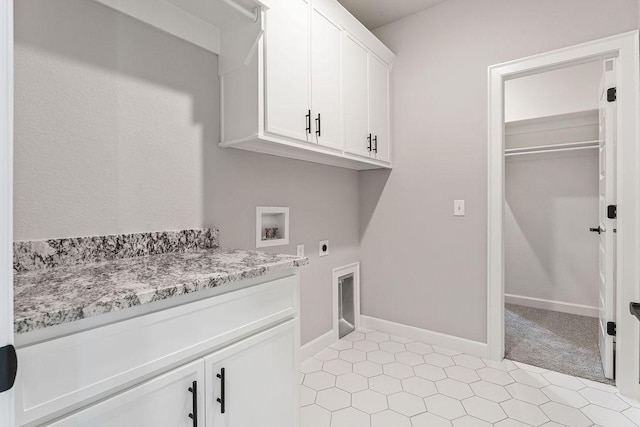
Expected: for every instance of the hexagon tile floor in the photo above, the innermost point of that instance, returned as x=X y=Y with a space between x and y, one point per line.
x=372 y=379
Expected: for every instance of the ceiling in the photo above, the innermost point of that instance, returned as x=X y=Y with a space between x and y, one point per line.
x=376 y=13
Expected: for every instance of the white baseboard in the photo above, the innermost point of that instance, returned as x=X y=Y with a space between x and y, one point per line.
x=473 y=348
x=316 y=345
x=545 y=304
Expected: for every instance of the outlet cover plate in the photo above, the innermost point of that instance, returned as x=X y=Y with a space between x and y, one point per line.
x=323 y=248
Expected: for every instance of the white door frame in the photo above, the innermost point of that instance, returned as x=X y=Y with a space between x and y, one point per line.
x=6 y=194
x=624 y=47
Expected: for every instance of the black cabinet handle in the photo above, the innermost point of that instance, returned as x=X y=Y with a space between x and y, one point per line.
x=221 y=398
x=634 y=308
x=194 y=403
x=375 y=147
x=369 y=140
x=318 y=126
x=308 y=121
x=8 y=367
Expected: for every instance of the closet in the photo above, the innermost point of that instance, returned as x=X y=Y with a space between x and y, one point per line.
x=559 y=239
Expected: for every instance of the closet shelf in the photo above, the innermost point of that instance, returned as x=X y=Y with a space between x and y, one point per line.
x=553 y=148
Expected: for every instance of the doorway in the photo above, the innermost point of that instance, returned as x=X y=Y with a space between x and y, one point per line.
x=623 y=50
x=559 y=250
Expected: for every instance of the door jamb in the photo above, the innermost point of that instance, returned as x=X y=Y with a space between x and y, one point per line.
x=6 y=193
x=624 y=47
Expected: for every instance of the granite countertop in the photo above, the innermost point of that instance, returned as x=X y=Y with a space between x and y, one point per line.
x=49 y=297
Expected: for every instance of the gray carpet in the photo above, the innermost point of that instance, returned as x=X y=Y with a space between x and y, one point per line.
x=556 y=341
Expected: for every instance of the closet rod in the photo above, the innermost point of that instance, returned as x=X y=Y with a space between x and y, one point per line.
x=251 y=14
x=556 y=150
x=553 y=147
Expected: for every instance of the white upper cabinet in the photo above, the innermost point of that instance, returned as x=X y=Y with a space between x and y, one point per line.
x=303 y=91
x=379 y=108
x=326 y=83
x=287 y=70
x=356 y=97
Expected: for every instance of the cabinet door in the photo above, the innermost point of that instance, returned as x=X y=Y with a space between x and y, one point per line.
x=379 y=107
x=326 y=107
x=355 y=96
x=287 y=69
x=163 y=401
x=260 y=381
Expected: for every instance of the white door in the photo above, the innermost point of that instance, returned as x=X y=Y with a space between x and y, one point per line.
x=287 y=70
x=607 y=197
x=355 y=97
x=379 y=107
x=254 y=382
x=326 y=55
x=6 y=199
x=167 y=400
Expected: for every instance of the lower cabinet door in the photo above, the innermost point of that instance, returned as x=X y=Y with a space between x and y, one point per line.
x=167 y=400
x=255 y=381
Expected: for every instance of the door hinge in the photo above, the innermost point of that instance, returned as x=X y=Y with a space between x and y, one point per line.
x=612 y=211
x=611 y=328
x=8 y=367
x=612 y=94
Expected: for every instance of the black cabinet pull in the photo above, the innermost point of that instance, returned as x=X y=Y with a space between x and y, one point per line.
x=318 y=126
x=194 y=403
x=308 y=121
x=634 y=307
x=597 y=230
x=375 y=147
x=221 y=398
x=8 y=367
x=369 y=140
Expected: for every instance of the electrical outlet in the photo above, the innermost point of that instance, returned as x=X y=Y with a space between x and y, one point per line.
x=458 y=207
x=323 y=248
x=300 y=251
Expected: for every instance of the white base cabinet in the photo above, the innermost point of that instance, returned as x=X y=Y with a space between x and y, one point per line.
x=250 y=383
x=164 y=401
x=256 y=375
x=139 y=371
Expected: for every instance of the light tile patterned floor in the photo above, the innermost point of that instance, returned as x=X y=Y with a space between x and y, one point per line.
x=371 y=379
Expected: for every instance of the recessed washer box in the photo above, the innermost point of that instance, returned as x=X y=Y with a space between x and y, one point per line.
x=272 y=226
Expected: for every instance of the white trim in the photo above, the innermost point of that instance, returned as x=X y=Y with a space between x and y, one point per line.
x=473 y=348
x=546 y=304
x=6 y=195
x=624 y=47
x=315 y=346
x=338 y=272
x=172 y=20
x=249 y=13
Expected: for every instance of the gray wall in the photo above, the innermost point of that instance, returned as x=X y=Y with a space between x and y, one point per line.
x=550 y=204
x=567 y=90
x=117 y=127
x=552 y=199
x=421 y=265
